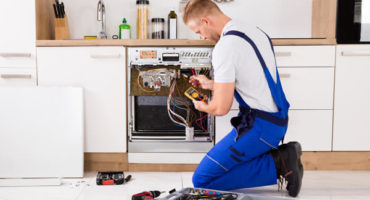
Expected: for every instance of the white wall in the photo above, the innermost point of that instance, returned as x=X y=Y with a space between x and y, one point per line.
x=279 y=18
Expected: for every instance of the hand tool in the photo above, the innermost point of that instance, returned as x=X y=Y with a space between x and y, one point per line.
x=146 y=195
x=111 y=178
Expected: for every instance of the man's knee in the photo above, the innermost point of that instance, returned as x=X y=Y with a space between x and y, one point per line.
x=199 y=181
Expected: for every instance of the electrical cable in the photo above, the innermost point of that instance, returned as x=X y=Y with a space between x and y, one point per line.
x=140 y=86
x=184 y=122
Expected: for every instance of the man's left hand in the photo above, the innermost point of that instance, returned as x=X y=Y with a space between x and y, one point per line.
x=200 y=105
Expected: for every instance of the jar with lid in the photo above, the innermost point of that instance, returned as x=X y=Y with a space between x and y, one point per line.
x=158 y=28
x=142 y=18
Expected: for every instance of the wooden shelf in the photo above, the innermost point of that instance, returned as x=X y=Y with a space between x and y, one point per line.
x=193 y=43
x=44 y=43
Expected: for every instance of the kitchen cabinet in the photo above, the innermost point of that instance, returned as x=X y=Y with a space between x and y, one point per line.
x=312 y=128
x=352 y=99
x=307 y=76
x=18 y=26
x=101 y=72
x=18 y=43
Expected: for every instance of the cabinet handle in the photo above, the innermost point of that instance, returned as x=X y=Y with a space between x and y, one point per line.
x=11 y=76
x=15 y=55
x=355 y=53
x=283 y=54
x=284 y=75
x=104 y=56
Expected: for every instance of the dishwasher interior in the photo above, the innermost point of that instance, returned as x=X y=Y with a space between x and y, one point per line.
x=161 y=118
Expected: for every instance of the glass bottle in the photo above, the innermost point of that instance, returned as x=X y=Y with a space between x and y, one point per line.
x=172 y=25
x=142 y=18
x=157 y=28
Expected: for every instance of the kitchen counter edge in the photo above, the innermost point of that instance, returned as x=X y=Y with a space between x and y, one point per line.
x=138 y=43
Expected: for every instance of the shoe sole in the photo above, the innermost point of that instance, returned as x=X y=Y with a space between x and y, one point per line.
x=299 y=167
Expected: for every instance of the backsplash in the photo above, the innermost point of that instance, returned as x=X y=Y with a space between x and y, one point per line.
x=280 y=19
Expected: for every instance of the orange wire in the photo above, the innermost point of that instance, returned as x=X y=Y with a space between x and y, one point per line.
x=141 y=87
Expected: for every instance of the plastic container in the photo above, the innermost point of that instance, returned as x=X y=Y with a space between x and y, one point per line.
x=124 y=30
x=142 y=18
x=158 y=28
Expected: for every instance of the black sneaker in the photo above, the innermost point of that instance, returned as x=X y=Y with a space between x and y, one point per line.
x=289 y=166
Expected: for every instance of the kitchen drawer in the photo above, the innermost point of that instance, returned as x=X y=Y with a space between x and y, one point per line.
x=305 y=56
x=18 y=60
x=308 y=88
x=312 y=128
x=223 y=125
x=17 y=77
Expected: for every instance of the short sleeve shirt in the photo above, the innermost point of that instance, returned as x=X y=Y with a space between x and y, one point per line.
x=234 y=60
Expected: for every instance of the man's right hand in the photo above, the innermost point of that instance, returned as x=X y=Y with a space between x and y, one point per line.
x=201 y=81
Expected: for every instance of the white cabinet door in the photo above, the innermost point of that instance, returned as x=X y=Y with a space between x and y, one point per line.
x=352 y=99
x=18 y=33
x=101 y=72
x=308 y=88
x=41 y=132
x=223 y=125
x=312 y=128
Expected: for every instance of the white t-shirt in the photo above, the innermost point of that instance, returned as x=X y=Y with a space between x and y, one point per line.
x=234 y=60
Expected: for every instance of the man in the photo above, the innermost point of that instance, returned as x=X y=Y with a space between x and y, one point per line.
x=244 y=67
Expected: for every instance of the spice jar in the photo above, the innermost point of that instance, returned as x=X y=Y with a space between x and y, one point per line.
x=158 y=28
x=142 y=18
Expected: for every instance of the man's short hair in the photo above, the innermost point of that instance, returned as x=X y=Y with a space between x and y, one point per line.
x=199 y=8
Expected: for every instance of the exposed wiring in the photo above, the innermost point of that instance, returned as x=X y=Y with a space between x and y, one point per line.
x=171 y=112
x=201 y=123
x=140 y=86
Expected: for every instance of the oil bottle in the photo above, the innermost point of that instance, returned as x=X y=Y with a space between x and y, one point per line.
x=172 y=25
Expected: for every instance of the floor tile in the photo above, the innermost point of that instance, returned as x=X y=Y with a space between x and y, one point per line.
x=323 y=185
x=140 y=182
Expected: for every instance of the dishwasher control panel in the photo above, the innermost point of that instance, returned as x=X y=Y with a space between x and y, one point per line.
x=170 y=56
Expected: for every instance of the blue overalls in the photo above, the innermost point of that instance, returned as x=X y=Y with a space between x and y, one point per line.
x=241 y=158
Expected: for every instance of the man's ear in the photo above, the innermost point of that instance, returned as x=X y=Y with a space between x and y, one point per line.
x=205 y=20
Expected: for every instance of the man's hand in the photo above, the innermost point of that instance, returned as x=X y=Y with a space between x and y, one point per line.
x=201 y=81
x=223 y=95
x=200 y=105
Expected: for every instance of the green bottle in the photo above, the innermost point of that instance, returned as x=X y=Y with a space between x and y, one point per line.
x=124 y=30
x=172 y=25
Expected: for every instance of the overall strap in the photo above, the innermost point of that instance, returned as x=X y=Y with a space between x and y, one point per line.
x=277 y=93
x=275 y=88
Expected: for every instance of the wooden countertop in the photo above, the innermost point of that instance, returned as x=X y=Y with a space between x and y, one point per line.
x=65 y=43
